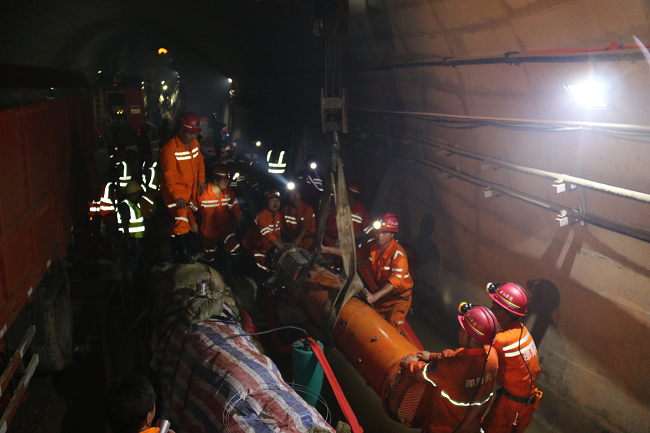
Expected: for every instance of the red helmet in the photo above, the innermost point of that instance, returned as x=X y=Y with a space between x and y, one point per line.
x=272 y=193
x=479 y=322
x=189 y=122
x=510 y=296
x=355 y=187
x=221 y=171
x=388 y=222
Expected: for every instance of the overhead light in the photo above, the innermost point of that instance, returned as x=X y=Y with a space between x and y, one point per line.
x=162 y=82
x=99 y=72
x=165 y=87
x=162 y=51
x=588 y=94
x=291 y=185
x=230 y=80
x=313 y=166
x=258 y=144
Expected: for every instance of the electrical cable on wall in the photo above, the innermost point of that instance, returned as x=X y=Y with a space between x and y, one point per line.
x=451 y=121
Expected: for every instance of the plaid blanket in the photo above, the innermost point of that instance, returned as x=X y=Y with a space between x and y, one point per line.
x=213 y=384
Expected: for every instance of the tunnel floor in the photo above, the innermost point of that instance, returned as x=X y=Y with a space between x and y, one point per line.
x=72 y=400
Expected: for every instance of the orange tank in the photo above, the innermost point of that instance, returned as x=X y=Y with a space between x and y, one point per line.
x=371 y=345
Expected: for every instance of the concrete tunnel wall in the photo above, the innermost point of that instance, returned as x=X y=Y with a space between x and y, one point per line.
x=590 y=309
x=589 y=306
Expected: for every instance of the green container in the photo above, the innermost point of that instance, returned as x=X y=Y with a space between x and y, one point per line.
x=307 y=372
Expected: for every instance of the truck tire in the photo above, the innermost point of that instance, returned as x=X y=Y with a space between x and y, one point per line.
x=53 y=341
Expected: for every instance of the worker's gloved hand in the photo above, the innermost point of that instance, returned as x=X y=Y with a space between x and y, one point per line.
x=181 y=203
x=194 y=228
x=200 y=188
x=423 y=355
x=407 y=360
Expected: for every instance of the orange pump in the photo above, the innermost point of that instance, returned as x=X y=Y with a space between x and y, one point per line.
x=371 y=345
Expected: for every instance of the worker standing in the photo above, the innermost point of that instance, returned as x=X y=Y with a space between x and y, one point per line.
x=519 y=368
x=183 y=179
x=463 y=378
x=220 y=213
x=151 y=188
x=265 y=233
x=299 y=220
x=393 y=299
x=131 y=223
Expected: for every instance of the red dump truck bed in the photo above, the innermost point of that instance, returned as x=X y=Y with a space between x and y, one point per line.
x=37 y=144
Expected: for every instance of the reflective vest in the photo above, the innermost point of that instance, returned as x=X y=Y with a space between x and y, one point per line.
x=136 y=221
x=150 y=176
x=125 y=177
x=106 y=204
x=276 y=167
x=148 y=205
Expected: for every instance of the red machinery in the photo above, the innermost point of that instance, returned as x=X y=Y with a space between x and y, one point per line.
x=37 y=190
x=120 y=107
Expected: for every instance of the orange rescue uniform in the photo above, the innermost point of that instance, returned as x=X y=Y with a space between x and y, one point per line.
x=295 y=220
x=515 y=379
x=456 y=374
x=392 y=267
x=257 y=242
x=361 y=222
x=217 y=211
x=182 y=170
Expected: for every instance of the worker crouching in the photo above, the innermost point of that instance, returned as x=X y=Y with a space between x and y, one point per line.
x=464 y=378
x=391 y=269
x=220 y=214
x=183 y=179
x=265 y=233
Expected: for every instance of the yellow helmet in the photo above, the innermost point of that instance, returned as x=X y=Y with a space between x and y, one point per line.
x=132 y=187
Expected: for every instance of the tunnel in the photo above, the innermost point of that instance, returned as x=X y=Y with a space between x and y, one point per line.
x=466 y=118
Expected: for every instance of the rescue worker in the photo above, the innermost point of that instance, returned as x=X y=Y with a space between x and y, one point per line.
x=310 y=182
x=220 y=213
x=393 y=299
x=106 y=206
x=151 y=189
x=463 y=378
x=390 y=271
x=299 y=220
x=361 y=220
x=265 y=233
x=126 y=167
x=131 y=223
x=183 y=179
x=519 y=397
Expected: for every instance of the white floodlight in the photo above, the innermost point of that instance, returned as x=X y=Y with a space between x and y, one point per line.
x=588 y=94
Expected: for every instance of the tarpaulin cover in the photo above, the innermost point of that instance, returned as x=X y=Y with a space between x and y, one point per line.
x=209 y=384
